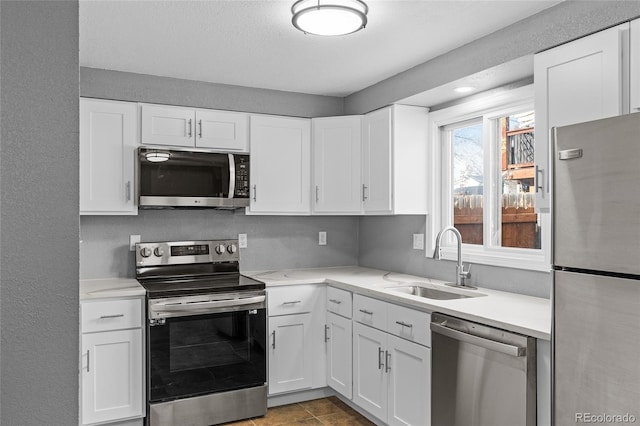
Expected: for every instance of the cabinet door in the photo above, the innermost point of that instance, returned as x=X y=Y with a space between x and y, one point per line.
x=166 y=125
x=339 y=352
x=108 y=133
x=409 y=383
x=290 y=353
x=280 y=165
x=336 y=164
x=634 y=59
x=576 y=82
x=376 y=161
x=370 y=369
x=226 y=131
x=112 y=376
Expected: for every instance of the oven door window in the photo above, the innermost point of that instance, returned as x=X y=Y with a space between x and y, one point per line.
x=202 y=354
x=185 y=174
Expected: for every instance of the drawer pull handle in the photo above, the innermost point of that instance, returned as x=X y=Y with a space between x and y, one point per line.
x=292 y=302
x=404 y=324
x=326 y=333
x=364 y=311
x=88 y=360
x=337 y=302
x=273 y=345
x=112 y=316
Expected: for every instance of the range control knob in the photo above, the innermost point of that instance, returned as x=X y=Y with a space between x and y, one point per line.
x=231 y=248
x=159 y=252
x=220 y=249
x=145 y=252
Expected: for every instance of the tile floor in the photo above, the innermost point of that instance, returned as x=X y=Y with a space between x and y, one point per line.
x=324 y=411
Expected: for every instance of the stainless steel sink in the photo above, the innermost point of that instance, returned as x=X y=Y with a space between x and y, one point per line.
x=432 y=293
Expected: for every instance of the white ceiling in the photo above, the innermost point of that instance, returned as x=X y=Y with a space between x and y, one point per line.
x=252 y=42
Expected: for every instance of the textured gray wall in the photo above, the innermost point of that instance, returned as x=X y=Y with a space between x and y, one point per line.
x=126 y=86
x=551 y=27
x=39 y=215
x=385 y=243
x=274 y=242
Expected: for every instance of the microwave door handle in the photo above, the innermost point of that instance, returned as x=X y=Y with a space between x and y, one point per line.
x=232 y=175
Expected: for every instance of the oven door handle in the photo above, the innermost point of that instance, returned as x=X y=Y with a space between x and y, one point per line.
x=212 y=304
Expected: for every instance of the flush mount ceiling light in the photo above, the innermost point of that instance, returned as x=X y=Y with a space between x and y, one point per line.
x=156 y=156
x=464 y=89
x=329 y=18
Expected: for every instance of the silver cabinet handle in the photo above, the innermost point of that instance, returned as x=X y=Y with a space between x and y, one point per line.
x=380 y=361
x=364 y=311
x=255 y=193
x=404 y=324
x=189 y=128
x=88 y=360
x=492 y=345
x=326 y=333
x=387 y=361
x=112 y=316
x=128 y=190
x=273 y=344
x=293 y=302
x=538 y=182
x=317 y=197
x=200 y=127
x=364 y=188
x=337 y=302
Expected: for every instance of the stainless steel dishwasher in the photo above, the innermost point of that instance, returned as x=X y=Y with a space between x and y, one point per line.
x=481 y=376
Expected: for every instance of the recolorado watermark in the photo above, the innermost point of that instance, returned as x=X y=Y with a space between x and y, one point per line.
x=605 y=418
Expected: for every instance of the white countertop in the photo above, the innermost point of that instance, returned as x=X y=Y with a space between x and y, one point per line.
x=510 y=311
x=110 y=288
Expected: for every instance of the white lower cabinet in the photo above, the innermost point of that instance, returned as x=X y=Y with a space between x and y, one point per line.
x=112 y=366
x=391 y=375
x=296 y=338
x=290 y=353
x=339 y=354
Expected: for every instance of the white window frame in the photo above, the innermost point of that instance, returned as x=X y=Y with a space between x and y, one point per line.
x=488 y=108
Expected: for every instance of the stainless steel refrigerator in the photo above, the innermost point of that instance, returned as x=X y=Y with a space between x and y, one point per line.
x=596 y=256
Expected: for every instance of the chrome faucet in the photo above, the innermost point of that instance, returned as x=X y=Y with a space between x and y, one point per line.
x=461 y=274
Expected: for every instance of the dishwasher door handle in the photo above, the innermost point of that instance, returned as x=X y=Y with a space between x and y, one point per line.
x=504 y=348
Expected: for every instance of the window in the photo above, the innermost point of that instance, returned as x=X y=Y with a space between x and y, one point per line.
x=484 y=182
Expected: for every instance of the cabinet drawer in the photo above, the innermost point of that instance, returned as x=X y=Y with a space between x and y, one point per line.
x=295 y=299
x=409 y=324
x=111 y=315
x=339 y=301
x=372 y=312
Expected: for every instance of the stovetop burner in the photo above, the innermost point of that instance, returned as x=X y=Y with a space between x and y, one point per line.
x=172 y=269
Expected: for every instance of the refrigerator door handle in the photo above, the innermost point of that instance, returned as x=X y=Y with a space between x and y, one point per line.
x=570 y=154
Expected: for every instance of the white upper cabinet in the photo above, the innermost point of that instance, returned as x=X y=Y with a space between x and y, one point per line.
x=280 y=165
x=108 y=138
x=336 y=187
x=579 y=81
x=394 y=160
x=634 y=58
x=199 y=128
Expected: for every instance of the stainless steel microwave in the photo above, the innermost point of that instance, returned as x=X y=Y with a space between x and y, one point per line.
x=176 y=178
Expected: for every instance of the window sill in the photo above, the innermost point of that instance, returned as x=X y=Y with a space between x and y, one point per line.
x=506 y=258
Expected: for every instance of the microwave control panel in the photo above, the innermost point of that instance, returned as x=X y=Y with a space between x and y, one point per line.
x=242 y=176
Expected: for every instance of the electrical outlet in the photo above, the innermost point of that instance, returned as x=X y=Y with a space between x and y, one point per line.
x=418 y=241
x=322 y=238
x=242 y=240
x=133 y=239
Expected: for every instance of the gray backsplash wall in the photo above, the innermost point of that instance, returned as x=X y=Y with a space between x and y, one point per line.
x=274 y=242
x=385 y=243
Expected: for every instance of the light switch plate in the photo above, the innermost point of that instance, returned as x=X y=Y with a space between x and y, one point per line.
x=242 y=240
x=322 y=238
x=418 y=241
x=133 y=239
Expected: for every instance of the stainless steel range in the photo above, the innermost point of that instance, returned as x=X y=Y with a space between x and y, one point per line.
x=206 y=334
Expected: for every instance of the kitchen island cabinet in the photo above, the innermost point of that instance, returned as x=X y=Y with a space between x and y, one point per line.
x=108 y=139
